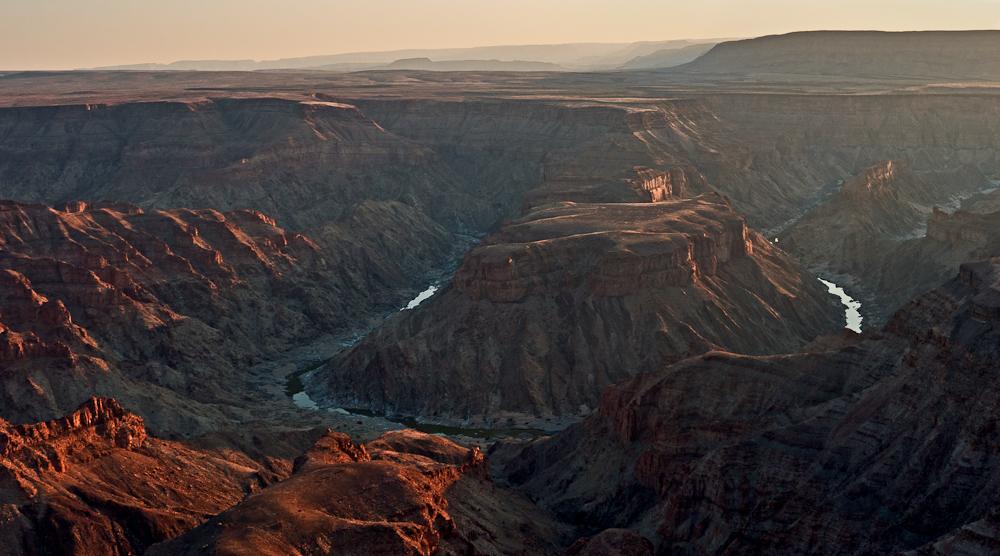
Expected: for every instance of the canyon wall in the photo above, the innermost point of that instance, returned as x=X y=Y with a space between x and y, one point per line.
x=467 y=164
x=302 y=163
x=884 y=230
x=882 y=441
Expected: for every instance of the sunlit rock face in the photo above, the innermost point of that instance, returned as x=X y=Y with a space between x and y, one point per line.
x=93 y=483
x=880 y=440
x=574 y=297
x=406 y=493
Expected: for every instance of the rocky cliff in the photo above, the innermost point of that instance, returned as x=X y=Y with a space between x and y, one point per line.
x=467 y=164
x=92 y=482
x=874 y=228
x=574 y=297
x=166 y=310
x=862 y=444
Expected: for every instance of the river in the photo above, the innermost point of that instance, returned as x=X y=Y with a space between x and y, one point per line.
x=851 y=306
x=295 y=389
x=423 y=296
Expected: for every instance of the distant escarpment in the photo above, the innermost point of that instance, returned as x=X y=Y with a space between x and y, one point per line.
x=302 y=163
x=883 y=229
x=574 y=297
x=875 y=443
x=93 y=483
x=571 y=151
x=165 y=311
x=468 y=164
x=970 y=55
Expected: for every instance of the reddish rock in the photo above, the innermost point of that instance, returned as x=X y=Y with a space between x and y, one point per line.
x=397 y=502
x=164 y=309
x=92 y=482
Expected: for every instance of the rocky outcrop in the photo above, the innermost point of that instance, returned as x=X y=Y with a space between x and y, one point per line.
x=888 y=201
x=163 y=310
x=398 y=500
x=611 y=250
x=92 y=482
x=571 y=298
x=882 y=443
x=961 y=227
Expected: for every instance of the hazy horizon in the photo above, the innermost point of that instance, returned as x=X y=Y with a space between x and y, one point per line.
x=63 y=35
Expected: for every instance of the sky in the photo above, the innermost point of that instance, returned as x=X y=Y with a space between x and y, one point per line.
x=70 y=34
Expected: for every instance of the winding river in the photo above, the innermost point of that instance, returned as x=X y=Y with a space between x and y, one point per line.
x=423 y=296
x=851 y=306
x=302 y=400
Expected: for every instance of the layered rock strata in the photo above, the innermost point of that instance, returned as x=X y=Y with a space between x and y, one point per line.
x=880 y=441
x=571 y=298
x=581 y=152
x=466 y=164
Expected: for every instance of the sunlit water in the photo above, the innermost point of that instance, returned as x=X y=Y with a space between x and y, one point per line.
x=852 y=306
x=424 y=296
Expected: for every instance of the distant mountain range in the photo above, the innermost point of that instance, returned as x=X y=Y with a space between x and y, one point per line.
x=951 y=55
x=972 y=55
x=551 y=57
x=669 y=57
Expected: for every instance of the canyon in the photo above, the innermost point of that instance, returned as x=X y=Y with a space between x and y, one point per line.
x=730 y=454
x=573 y=297
x=887 y=221
x=620 y=269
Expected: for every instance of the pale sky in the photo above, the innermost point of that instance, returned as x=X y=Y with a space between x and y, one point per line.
x=68 y=34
